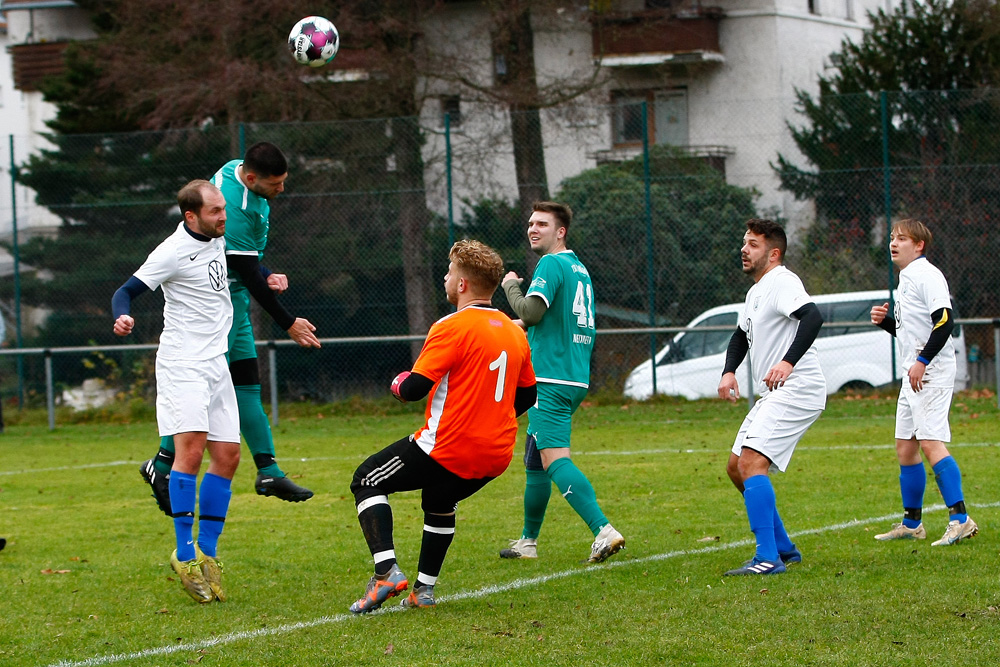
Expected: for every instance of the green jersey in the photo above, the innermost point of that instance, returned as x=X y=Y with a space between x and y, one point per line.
x=562 y=342
x=246 y=218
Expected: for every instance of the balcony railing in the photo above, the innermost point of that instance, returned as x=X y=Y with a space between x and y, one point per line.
x=656 y=36
x=33 y=62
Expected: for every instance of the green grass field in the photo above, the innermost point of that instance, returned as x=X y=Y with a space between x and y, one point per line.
x=85 y=578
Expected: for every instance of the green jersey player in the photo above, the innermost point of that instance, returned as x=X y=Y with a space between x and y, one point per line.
x=248 y=185
x=558 y=313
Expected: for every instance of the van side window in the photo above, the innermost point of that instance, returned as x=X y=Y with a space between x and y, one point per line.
x=696 y=344
x=716 y=342
x=847 y=311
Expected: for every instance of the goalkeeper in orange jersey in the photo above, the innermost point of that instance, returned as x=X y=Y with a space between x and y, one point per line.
x=476 y=367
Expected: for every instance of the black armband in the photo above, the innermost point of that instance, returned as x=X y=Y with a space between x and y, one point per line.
x=810 y=321
x=737 y=351
x=943 y=320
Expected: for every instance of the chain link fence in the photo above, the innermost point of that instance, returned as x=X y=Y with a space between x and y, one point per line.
x=372 y=206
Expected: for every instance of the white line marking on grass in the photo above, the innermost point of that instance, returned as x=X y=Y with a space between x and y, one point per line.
x=639 y=452
x=82 y=466
x=485 y=591
x=600 y=452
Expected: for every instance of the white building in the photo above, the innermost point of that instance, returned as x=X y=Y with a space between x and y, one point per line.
x=33 y=35
x=718 y=78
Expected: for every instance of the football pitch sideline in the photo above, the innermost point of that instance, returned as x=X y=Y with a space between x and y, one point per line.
x=86 y=580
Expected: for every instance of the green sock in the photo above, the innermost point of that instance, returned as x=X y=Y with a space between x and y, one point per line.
x=537 y=489
x=576 y=489
x=256 y=428
x=161 y=464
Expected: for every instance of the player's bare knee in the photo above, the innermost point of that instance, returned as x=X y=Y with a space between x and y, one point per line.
x=751 y=463
x=552 y=454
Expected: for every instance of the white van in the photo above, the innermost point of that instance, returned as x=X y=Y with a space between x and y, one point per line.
x=851 y=357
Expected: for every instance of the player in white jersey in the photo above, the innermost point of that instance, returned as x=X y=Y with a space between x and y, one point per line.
x=922 y=323
x=778 y=325
x=196 y=401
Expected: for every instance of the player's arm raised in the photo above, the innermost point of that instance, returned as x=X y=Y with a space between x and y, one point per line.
x=881 y=319
x=121 y=305
x=529 y=310
x=409 y=386
x=249 y=269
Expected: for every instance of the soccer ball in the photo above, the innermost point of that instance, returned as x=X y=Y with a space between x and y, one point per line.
x=314 y=41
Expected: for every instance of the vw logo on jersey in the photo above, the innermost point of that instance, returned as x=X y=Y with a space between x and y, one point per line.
x=756 y=302
x=897 y=313
x=749 y=332
x=217 y=275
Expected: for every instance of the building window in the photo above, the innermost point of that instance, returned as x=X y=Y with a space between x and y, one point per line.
x=813 y=6
x=666 y=117
x=452 y=106
x=849 y=10
x=627 y=119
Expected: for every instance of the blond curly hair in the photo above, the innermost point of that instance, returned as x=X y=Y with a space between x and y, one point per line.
x=478 y=263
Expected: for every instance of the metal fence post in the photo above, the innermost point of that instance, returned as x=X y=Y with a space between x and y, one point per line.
x=996 y=356
x=272 y=358
x=50 y=399
x=650 y=272
x=18 y=331
x=887 y=203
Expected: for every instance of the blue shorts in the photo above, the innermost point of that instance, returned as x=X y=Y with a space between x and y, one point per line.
x=550 y=420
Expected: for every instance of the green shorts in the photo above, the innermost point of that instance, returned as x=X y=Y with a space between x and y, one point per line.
x=241 y=342
x=550 y=420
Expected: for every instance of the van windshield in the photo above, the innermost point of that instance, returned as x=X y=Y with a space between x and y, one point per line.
x=696 y=344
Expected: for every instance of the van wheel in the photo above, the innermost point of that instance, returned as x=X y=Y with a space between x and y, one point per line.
x=856 y=385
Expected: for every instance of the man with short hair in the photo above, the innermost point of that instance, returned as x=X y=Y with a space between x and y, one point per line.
x=476 y=365
x=922 y=324
x=778 y=326
x=558 y=312
x=248 y=185
x=195 y=399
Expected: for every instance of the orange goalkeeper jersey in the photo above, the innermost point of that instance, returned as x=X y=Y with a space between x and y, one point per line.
x=476 y=358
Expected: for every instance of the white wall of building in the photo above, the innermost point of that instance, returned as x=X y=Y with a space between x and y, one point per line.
x=23 y=114
x=769 y=48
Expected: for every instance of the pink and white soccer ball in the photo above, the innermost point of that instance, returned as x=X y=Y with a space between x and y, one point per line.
x=314 y=41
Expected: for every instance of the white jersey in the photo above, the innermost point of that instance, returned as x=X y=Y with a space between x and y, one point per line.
x=197 y=312
x=767 y=320
x=922 y=290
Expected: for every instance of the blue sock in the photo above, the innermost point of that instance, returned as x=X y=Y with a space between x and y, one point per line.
x=183 y=490
x=213 y=500
x=912 y=481
x=761 y=508
x=781 y=539
x=949 y=481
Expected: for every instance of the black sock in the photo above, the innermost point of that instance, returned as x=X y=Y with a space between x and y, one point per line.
x=439 y=531
x=376 y=525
